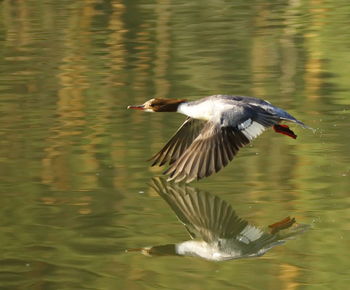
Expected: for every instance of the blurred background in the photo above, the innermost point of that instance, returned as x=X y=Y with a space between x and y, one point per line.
x=74 y=180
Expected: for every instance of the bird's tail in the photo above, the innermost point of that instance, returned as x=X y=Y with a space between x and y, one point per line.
x=300 y=123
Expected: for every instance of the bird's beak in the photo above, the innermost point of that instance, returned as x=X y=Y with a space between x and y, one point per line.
x=137 y=107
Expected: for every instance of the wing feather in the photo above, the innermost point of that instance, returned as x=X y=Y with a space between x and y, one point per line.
x=212 y=150
x=183 y=138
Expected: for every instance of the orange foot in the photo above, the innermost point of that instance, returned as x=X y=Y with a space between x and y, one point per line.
x=284 y=129
x=281 y=225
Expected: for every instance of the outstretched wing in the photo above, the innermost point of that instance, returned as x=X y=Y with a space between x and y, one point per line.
x=183 y=138
x=212 y=150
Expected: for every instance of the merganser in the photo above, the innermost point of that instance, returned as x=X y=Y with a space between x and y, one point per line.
x=216 y=232
x=216 y=128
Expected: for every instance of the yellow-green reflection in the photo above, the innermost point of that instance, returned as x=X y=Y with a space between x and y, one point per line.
x=216 y=232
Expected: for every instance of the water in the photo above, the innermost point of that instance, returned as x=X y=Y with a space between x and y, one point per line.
x=74 y=179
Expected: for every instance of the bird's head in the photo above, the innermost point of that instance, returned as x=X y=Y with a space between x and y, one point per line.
x=159 y=105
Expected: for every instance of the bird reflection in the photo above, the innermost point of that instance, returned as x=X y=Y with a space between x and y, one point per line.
x=216 y=232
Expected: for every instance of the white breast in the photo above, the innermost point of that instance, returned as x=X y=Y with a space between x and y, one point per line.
x=208 y=110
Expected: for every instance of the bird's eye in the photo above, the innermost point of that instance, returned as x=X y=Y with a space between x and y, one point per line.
x=152 y=105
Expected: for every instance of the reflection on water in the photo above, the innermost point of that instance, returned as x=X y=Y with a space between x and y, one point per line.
x=216 y=232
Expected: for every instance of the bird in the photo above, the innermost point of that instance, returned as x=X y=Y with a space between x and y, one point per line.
x=215 y=129
x=216 y=231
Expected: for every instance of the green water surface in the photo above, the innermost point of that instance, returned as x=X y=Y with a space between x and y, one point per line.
x=74 y=180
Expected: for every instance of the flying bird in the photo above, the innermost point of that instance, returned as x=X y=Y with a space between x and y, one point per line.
x=215 y=129
x=216 y=232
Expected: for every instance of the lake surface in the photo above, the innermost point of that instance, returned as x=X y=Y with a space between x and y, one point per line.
x=75 y=184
